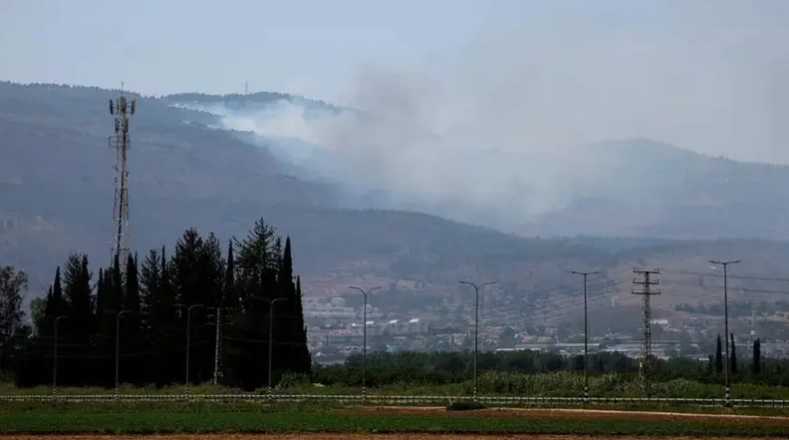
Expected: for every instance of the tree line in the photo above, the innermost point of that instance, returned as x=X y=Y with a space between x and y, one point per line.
x=221 y=308
x=437 y=368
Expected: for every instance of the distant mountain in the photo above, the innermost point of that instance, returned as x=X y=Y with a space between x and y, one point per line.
x=632 y=187
x=644 y=188
x=56 y=191
x=56 y=195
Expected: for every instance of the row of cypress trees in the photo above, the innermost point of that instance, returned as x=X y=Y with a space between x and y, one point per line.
x=716 y=362
x=141 y=319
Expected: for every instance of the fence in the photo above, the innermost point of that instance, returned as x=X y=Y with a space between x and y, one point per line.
x=398 y=400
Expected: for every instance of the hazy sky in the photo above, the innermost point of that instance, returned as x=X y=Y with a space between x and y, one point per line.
x=166 y=46
x=709 y=75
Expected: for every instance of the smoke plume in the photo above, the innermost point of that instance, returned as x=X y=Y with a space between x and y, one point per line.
x=495 y=126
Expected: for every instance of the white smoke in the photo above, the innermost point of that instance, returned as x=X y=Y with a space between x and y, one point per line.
x=711 y=76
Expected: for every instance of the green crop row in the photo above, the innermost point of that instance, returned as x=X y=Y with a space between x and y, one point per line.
x=41 y=422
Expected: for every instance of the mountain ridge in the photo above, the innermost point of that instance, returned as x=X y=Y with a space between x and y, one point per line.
x=56 y=197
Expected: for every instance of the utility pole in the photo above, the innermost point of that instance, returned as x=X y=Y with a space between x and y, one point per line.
x=646 y=345
x=476 y=326
x=217 y=344
x=55 y=355
x=586 y=332
x=365 y=294
x=189 y=340
x=727 y=366
x=121 y=108
x=271 y=304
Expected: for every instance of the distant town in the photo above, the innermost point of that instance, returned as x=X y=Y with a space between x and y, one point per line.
x=335 y=331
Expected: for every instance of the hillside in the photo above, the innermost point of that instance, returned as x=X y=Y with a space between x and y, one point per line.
x=56 y=190
x=639 y=187
x=632 y=187
x=56 y=196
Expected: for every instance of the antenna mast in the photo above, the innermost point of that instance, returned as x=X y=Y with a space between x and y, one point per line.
x=121 y=108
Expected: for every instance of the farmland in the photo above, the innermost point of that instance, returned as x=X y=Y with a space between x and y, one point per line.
x=209 y=419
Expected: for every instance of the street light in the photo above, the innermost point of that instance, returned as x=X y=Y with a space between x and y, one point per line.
x=725 y=265
x=586 y=335
x=476 y=325
x=189 y=338
x=364 y=293
x=271 y=303
x=55 y=355
x=117 y=346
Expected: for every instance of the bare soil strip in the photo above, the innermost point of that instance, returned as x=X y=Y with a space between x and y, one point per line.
x=574 y=414
x=319 y=436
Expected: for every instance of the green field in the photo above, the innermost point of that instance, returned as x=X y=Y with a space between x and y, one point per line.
x=195 y=422
x=556 y=384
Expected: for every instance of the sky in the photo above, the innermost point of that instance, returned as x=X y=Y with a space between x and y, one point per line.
x=443 y=78
x=709 y=75
x=159 y=47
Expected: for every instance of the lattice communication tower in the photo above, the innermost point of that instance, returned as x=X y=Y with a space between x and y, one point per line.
x=121 y=108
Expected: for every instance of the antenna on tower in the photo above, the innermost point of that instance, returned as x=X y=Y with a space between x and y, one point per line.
x=121 y=108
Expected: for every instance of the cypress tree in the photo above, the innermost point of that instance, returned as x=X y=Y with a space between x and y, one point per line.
x=229 y=295
x=230 y=310
x=79 y=327
x=303 y=358
x=170 y=331
x=56 y=305
x=757 y=356
x=212 y=271
x=150 y=279
x=718 y=356
x=733 y=355
x=106 y=328
x=100 y=298
x=116 y=287
x=130 y=324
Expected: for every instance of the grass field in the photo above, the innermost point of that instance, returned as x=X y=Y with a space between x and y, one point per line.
x=247 y=418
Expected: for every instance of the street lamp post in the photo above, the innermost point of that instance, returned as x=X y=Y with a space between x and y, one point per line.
x=476 y=325
x=725 y=265
x=55 y=355
x=189 y=340
x=364 y=293
x=586 y=334
x=271 y=303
